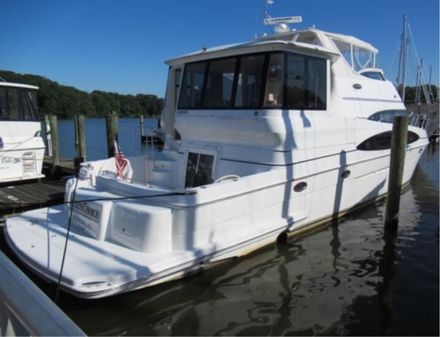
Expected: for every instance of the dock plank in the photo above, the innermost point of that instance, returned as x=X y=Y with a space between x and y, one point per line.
x=18 y=198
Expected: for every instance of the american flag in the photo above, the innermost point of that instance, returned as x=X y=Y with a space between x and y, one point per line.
x=120 y=160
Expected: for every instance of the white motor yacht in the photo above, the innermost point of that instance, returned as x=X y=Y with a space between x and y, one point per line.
x=276 y=135
x=21 y=145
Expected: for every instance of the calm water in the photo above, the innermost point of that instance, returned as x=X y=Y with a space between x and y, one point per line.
x=96 y=138
x=343 y=280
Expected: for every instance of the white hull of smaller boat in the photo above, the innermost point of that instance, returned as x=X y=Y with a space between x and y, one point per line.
x=22 y=151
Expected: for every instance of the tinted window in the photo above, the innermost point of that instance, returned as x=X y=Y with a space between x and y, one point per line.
x=218 y=92
x=191 y=92
x=198 y=169
x=375 y=75
x=18 y=104
x=273 y=96
x=387 y=116
x=267 y=80
x=383 y=141
x=316 y=88
x=249 y=82
x=296 y=81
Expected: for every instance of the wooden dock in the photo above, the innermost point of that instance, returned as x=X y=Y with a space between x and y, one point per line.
x=31 y=195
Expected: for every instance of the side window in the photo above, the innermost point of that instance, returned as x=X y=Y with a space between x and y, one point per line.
x=316 y=89
x=375 y=75
x=12 y=101
x=191 y=91
x=382 y=141
x=296 y=79
x=387 y=116
x=218 y=92
x=266 y=80
x=199 y=169
x=306 y=82
x=273 y=97
x=3 y=104
x=249 y=82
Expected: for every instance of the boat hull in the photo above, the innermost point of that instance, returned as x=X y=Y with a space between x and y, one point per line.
x=196 y=233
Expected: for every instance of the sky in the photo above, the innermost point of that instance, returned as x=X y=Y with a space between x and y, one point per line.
x=121 y=45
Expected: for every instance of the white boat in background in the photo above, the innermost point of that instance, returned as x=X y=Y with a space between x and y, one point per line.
x=261 y=138
x=21 y=145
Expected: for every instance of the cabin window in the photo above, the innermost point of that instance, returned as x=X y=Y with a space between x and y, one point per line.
x=382 y=141
x=199 y=169
x=273 y=97
x=258 y=81
x=316 y=88
x=191 y=92
x=306 y=83
x=218 y=89
x=249 y=82
x=387 y=116
x=296 y=81
x=375 y=75
x=18 y=104
x=308 y=37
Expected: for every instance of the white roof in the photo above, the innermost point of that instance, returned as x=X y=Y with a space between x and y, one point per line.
x=253 y=46
x=267 y=42
x=18 y=85
x=352 y=40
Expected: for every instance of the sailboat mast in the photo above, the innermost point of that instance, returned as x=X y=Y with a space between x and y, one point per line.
x=403 y=59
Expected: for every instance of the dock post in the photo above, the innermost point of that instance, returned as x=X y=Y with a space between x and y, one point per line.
x=46 y=136
x=141 y=122
x=397 y=165
x=80 y=140
x=112 y=133
x=53 y=123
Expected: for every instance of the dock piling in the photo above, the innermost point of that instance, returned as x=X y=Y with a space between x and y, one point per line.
x=80 y=136
x=141 y=125
x=112 y=132
x=53 y=123
x=397 y=165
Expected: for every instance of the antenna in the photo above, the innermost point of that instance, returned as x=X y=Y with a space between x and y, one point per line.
x=280 y=23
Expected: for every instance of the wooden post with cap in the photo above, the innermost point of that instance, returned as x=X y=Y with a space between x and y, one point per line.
x=112 y=133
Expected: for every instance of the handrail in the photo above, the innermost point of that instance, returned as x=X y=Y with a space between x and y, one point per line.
x=24 y=307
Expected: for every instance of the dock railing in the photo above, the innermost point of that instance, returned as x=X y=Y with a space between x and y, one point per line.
x=25 y=310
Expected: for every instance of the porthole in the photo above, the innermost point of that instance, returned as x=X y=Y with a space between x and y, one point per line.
x=301 y=186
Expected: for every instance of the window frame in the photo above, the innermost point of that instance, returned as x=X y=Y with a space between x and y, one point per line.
x=199 y=152
x=267 y=55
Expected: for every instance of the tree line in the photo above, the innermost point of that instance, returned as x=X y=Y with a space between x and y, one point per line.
x=66 y=101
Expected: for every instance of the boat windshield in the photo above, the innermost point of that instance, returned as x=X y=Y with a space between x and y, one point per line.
x=18 y=104
x=309 y=37
x=356 y=56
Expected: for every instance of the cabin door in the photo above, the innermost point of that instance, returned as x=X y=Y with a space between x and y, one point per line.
x=199 y=169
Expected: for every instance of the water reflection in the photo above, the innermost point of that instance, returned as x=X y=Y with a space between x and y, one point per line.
x=350 y=278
